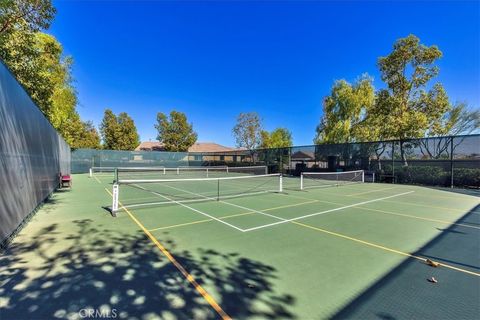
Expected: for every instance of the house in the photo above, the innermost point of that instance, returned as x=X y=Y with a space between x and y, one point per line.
x=202 y=152
x=150 y=146
x=197 y=147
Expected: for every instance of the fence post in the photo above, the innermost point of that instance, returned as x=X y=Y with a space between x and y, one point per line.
x=393 y=161
x=451 y=162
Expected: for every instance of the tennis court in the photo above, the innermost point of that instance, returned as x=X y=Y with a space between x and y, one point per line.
x=245 y=244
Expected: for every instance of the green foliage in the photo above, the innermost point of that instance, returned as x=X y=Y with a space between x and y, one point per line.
x=175 y=133
x=33 y=15
x=247 y=130
x=21 y=53
x=118 y=133
x=81 y=134
x=127 y=136
x=466 y=177
x=425 y=175
x=344 y=111
x=278 y=138
x=406 y=109
x=409 y=107
x=38 y=63
x=60 y=108
x=32 y=56
x=108 y=130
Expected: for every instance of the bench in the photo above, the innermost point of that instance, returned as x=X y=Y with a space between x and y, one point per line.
x=65 y=180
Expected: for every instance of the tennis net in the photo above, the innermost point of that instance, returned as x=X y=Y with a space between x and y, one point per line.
x=187 y=172
x=329 y=179
x=110 y=171
x=138 y=193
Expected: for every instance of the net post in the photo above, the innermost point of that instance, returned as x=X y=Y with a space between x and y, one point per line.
x=227 y=169
x=164 y=170
x=266 y=169
x=301 y=180
x=90 y=172
x=363 y=176
x=115 y=200
x=218 y=189
x=115 y=175
x=207 y=172
x=178 y=170
x=281 y=183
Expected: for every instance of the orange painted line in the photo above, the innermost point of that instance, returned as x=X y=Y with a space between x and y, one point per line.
x=180 y=268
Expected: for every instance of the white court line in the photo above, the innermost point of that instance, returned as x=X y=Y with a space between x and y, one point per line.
x=371 y=191
x=228 y=203
x=193 y=209
x=326 y=211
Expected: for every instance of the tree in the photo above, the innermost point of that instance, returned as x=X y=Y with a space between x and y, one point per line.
x=38 y=63
x=278 y=138
x=458 y=120
x=344 y=112
x=406 y=109
x=22 y=55
x=63 y=98
x=81 y=134
x=118 y=133
x=22 y=46
x=108 y=130
x=247 y=130
x=31 y=14
x=127 y=136
x=90 y=137
x=175 y=133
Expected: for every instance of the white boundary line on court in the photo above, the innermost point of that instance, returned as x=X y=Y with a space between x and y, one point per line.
x=326 y=211
x=193 y=209
x=228 y=203
x=282 y=220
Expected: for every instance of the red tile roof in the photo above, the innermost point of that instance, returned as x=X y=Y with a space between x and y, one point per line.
x=197 y=147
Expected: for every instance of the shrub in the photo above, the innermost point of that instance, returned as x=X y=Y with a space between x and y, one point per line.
x=466 y=177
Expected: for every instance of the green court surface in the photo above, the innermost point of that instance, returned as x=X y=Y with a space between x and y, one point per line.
x=350 y=252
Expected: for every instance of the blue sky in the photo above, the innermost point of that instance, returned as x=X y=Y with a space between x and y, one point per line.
x=215 y=59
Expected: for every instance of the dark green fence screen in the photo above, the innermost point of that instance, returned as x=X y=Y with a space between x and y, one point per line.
x=32 y=155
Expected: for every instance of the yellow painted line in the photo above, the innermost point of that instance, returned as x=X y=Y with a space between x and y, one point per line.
x=420 y=218
x=180 y=268
x=201 y=221
x=97 y=179
x=290 y=205
x=428 y=206
x=232 y=216
x=382 y=247
x=458 y=196
x=394 y=213
x=393 y=201
x=371 y=191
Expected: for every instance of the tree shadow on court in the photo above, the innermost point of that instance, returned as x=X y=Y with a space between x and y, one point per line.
x=120 y=275
x=406 y=293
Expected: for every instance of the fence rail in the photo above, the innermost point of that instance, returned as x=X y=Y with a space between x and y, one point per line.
x=437 y=161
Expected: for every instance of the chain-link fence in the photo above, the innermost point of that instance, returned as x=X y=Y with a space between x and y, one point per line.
x=439 y=161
